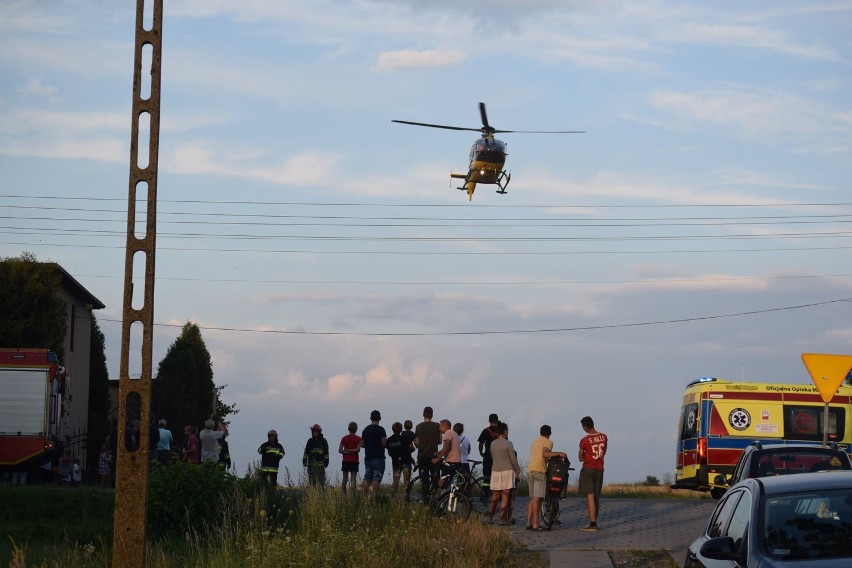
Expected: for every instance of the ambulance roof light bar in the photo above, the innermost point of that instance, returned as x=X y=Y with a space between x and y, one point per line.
x=703 y=380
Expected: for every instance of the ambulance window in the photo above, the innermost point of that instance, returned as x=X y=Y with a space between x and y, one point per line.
x=806 y=423
x=688 y=421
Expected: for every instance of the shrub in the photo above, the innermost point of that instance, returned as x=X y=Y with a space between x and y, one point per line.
x=184 y=495
x=651 y=481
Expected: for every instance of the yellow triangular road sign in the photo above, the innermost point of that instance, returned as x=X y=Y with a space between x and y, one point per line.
x=827 y=372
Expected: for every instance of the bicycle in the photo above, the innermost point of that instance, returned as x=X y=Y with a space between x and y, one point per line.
x=453 y=503
x=557 y=481
x=479 y=489
x=415 y=488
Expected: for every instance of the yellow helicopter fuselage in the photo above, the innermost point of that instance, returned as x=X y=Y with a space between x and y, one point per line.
x=487 y=157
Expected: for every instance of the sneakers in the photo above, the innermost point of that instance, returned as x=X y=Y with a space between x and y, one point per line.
x=591 y=527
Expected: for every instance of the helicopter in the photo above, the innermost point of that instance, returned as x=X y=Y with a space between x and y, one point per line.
x=487 y=155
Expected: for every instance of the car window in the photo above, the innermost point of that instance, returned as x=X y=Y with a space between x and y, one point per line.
x=783 y=461
x=815 y=524
x=740 y=518
x=744 y=459
x=721 y=518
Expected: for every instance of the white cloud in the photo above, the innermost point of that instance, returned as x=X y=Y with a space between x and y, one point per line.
x=758 y=114
x=844 y=334
x=390 y=61
x=736 y=176
x=753 y=36
x=202 y=157
x=35 y=86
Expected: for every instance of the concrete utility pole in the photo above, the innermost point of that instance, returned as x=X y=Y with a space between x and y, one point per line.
x=131 y=479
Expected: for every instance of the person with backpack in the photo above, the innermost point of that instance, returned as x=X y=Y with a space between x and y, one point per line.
x=540 y=451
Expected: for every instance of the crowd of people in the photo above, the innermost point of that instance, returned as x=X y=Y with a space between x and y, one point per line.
x=435 y=446
x=210 y=445
x=431 y=447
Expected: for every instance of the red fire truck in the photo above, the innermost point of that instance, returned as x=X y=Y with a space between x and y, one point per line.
x=34 y=407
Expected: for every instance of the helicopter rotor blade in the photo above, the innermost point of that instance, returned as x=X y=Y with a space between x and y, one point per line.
x=485 y=126
x=437 y=125
x=540 y=131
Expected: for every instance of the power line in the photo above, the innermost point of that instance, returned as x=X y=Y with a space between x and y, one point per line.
x=507 y=332
x=438 y=205
x=481 y=283
x=583 y=220
x=467 y=223
x=457 y=239
x=437 y=253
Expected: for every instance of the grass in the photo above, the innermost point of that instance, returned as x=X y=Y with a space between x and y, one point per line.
x=38 y=520
x=640 y=491
x=51 y=527
x=323 y=529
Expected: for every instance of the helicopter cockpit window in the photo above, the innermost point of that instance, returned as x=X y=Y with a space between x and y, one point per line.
x=489 y=150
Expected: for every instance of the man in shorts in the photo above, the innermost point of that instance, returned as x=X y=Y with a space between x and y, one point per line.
x=592 y=452
x=374 y=439
x=540 y=451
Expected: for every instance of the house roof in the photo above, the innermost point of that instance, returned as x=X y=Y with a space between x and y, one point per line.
x=76 y=288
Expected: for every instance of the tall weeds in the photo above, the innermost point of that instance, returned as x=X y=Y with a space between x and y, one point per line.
x=326 y=528
x=257 y=527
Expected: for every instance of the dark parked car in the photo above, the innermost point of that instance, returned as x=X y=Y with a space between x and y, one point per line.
x=758 y=460
x=785 y=521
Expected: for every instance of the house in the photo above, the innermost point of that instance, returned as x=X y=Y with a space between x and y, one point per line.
x=80 y=303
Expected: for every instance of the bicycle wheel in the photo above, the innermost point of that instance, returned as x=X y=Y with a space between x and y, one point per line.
x=414 y=489
x=453 y=505
x=549 y=510
x=481 y=491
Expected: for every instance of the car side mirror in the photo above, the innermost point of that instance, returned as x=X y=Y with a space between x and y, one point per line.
x=720 y=479
x=720 y=548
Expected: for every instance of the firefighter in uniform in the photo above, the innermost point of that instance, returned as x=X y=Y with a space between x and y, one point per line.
x=315 y=457
x=271 y=453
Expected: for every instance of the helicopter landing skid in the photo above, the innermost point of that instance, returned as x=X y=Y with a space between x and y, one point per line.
x=503 y=182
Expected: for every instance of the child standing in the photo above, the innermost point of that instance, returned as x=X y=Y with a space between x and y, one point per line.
x=400 y=455
x=350 y=446
x=105 y=465
x=64 y=470
x=76 y=473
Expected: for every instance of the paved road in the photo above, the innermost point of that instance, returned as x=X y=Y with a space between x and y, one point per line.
x=625 y=524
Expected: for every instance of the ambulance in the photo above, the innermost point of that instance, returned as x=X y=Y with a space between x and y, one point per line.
x=719 y=418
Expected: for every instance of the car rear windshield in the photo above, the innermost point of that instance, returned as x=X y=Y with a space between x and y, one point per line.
x=815 y=524
x=784 y=461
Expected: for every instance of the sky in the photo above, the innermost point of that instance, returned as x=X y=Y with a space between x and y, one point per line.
x=699 y=227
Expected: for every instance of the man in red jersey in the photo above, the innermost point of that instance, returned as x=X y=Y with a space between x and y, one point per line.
x=592 y=452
